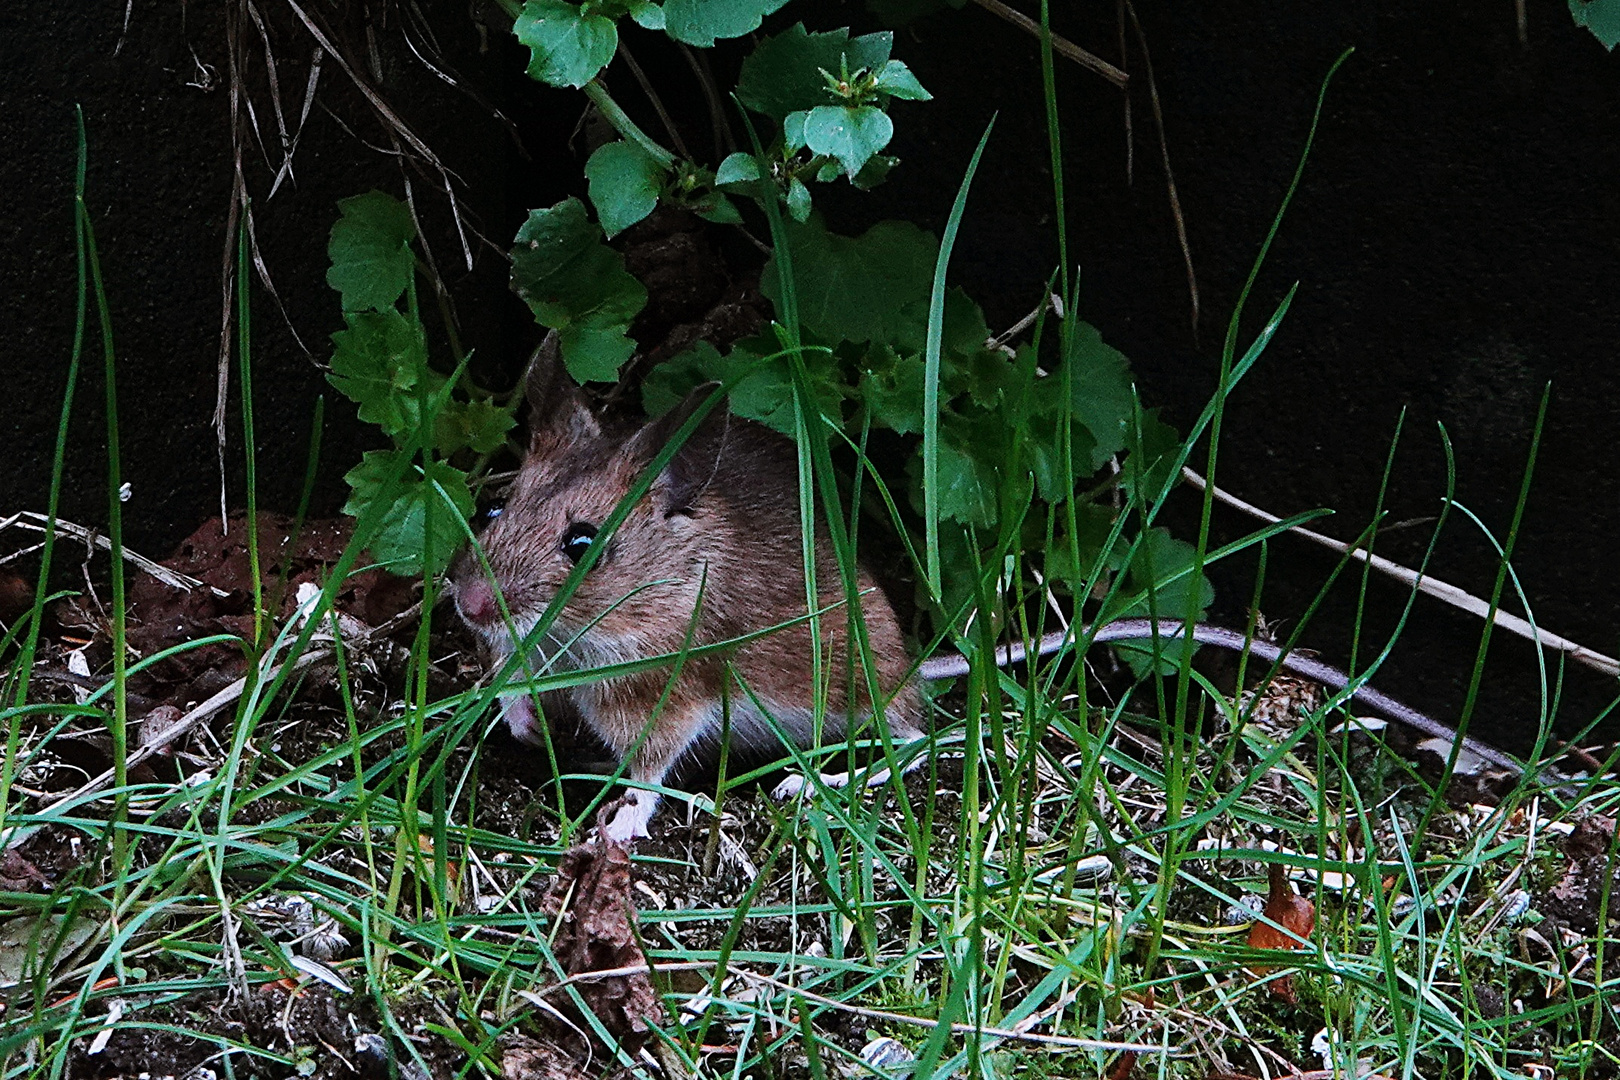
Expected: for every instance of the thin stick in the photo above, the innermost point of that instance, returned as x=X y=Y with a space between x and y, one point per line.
x=1061 y=46
x=1169 y=176
x=36 y=522
x=1440 y=590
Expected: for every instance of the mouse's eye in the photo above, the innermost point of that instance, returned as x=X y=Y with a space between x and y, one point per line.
x=577 y=540
x=487 y=514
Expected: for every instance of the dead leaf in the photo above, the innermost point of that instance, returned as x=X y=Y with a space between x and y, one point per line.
x=1293 y=913
x=596 y=933
x=17 y=874
x=523 y=1058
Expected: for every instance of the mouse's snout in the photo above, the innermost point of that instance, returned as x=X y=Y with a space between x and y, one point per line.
x=475 y=599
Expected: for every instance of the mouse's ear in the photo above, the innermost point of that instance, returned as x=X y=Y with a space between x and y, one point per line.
x=558 y=415
x=694 y=464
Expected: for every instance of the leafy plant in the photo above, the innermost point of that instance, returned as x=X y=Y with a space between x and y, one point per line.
x=380 y=362
x=1021 y=430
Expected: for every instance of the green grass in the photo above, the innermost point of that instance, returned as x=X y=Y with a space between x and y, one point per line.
x=1065 y=879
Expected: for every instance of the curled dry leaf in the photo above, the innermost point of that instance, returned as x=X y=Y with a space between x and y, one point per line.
x=1293 y=913
x=596 y=933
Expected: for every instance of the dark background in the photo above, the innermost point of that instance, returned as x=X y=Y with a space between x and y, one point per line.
x=1454 y=240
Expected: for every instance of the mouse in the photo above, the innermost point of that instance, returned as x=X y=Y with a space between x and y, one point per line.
x=713 y=552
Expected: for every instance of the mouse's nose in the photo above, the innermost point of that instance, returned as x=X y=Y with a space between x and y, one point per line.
x=475 y=599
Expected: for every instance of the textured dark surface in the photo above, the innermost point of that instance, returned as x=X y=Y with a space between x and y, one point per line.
x=1455 y=241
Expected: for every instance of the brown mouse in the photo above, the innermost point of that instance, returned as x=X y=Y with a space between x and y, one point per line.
x=710 y=553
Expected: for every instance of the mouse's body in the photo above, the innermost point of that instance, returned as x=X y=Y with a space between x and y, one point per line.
x=712 y=552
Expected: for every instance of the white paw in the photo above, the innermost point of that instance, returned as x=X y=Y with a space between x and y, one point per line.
x=789 y=788
x=630 y=821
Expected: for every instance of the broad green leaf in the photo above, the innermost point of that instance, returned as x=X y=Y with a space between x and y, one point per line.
x=405 y=535
x=793 y=130
x=896 y=80
x=648 y=15
x=1100 y=392
x=1044 y=447
x=625 y=182
x=701 y=22
x=874 y=172
x=873 y=287
x=1093 y=525
x=478 y=425
x=738 y=168
x=967 y=487
x=1601 y=17
x=1158 y=558
x=852 y=135
x=784 y=73
x=380 y=363
x=894 y=394
x=567 y=46
x=717 y=208
x=577 y=285
x=765 y=395
x=1146 y=469
x=370 y=249
x=798 y=201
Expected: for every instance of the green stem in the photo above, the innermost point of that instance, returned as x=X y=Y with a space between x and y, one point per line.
x=624 y=125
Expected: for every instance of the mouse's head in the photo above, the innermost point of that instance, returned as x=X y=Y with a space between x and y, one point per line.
x=644 y=577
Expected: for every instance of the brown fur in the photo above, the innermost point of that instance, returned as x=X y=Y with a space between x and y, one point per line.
x=720 y=523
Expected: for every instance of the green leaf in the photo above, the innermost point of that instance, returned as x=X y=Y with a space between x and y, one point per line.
x=1046 y=455
x=783 y=74
x=868 y=288
x=370 y=249
x=896 y=80
x=577 y=285
x=874 y=172
x=478 y=425
x=765 y=395
x=648 y=16
x=1093 y=525
x=700 y=22
x=625 y=182
x=406 y=535
x=894 y=395
x=738 y=168
x=1158 y=558
x=793 y=131
x=380 y=363
x=717 y=208
x=852 y=135
x=1146 y=469
x=567 y=47
x=1100 y=392
x=798 y=201
x=967 y=487
x=1601 y=17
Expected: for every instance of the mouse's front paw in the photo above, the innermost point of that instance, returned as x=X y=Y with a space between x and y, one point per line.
x=629 y=822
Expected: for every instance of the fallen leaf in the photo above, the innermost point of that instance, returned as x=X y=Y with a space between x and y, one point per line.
x=1294 y=914
x=596 y=933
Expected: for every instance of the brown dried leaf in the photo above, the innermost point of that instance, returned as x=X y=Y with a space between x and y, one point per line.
x=17 y=874
x=1293 y=913
x=596 y=933
x=523 y=1058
